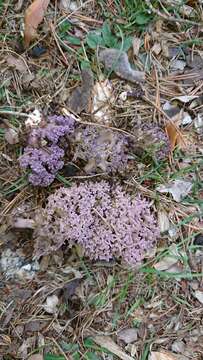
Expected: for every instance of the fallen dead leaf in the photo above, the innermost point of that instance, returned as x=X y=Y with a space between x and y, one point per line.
x=178 y=346
x=128 y=335
x=117 y=61
x=33 y=17
x=34 y=119
x=136 y=46
x=68 y=5
x=36 y=357
x=11 y=136
x=156 y=49
x=198 y=123
x=19 y=5
x=199 y=296
x=102 y=96
x=109 y=344
x=175 y=136
x=18 y=63
x=51 y=304
x=177 y=188
x=81 y=96
x=163 y=221
x=186 y=119
x=177 y=65
x=163 y=355
x=166 y=263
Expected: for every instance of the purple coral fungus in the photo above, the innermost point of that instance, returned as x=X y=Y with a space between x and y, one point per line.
x=43 y=156
x=105 y=221
x=102 y=148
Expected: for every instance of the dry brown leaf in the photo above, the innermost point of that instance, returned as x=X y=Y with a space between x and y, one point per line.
x=33 y=17
x=175 y=136
x=17 y=63
x=80 y=98
x=109 y=344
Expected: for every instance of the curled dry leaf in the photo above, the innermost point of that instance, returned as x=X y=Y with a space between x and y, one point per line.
x=178 y=189
x=117 y=61
x=51 y=304
x=33 y=17
x=175 y=136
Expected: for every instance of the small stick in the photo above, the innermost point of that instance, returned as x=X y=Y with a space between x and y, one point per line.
x=171 y=18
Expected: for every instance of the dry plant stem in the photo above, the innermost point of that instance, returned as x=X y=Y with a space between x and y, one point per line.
x=12 y=203
x=171 y=18
x=82 y=17
x=17 y=113
x=4 y=13
x=157 y=96
x=64 y=110
x=104 y=220
x=59 y=348
x=57 y=44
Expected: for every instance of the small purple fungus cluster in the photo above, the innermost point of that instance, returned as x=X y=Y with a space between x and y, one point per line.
x=102 y=148
x=43 y=155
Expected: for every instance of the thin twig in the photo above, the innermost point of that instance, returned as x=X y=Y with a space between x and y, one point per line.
x=171 y=18
x=65 y=112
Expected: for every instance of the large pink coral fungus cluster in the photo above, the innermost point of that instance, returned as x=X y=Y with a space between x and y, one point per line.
x=104 y=220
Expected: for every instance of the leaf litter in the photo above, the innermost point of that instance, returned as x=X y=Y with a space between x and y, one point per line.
x=150 y=307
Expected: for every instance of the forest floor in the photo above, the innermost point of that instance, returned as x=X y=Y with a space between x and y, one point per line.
x=65 y=306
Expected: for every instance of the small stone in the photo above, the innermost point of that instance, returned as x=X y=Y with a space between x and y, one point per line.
x=37 y=51
x=178 y=346
x=128 y=335
x=34 y=326
x=198 y=240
